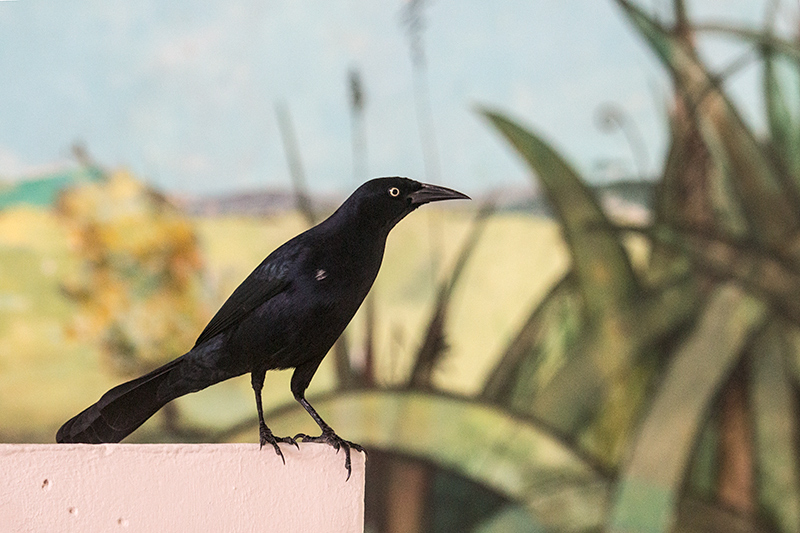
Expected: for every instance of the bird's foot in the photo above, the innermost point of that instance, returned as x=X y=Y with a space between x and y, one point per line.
x=330 y=437
x=266 y=437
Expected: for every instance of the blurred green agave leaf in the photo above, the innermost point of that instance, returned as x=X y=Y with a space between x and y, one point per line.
x=609 y=352
x=658 y=316
x=602 y=267
x=561 y=489
x=759 y=187
x=510 y=519
x=761 y=272
x=792 y=336
x=784 y=127
x=621 y=322
x=764 y=40
x=686 y=153
x=776 y=52
x=694 y=191
x=775 y=421
x=605 y=278
x=704 y=467
x=652 y=476
x=540 y=348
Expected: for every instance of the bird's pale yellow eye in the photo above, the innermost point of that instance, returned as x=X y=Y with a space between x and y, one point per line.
x=394 y=192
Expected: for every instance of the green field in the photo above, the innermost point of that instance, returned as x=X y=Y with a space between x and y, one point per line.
x=47 y=374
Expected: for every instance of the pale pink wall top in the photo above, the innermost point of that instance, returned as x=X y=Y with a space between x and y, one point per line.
x=178 y=487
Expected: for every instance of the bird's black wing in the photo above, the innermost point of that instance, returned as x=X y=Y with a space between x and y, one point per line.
x=268 y=279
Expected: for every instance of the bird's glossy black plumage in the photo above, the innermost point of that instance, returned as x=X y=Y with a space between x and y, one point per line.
x=286 y=314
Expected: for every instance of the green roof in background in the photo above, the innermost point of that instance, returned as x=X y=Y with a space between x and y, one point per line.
x=43 y=191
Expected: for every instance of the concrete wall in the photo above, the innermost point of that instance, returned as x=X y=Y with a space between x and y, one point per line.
x=178 y=487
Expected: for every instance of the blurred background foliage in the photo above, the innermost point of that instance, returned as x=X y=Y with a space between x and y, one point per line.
x=579 y=372
x=138 y=288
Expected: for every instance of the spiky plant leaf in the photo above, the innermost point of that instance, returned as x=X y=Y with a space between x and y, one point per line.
x=601 y=265
x=765 y=40
x=509 y=519
x=704 y=468
x=759 y=188
x=622 y=322
x=792 y=335
x=775 y=423
x=694 y=191
x=761 y=272
x=652 y=476
x=776 y=52
x=606 y=356
x=784 y=128
x=606 y=281
x=540 y=348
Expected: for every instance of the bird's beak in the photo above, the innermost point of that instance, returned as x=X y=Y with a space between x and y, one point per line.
x=434 y=193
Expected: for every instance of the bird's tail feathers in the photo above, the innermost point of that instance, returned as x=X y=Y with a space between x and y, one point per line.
x=124 y=408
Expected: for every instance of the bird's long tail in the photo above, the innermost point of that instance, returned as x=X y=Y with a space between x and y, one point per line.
x=126 y=407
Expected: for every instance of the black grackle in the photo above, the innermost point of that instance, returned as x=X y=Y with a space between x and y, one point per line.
x=286 y=314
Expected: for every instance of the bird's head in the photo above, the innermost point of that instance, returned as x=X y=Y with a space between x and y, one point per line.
x=386 y=201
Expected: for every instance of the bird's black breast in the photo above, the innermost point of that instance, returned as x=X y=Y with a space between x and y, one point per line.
x=326 y=284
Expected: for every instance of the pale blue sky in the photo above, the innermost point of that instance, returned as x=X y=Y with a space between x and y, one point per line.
x=184 y=92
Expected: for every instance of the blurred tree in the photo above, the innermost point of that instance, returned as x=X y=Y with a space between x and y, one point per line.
x=140 y=283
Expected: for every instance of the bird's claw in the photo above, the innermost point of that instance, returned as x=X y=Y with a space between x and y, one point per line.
x=266 y=437
x=329 y=437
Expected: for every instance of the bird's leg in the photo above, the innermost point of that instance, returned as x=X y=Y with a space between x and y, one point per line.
x=264 y=433
x=328 y=435
x=300 y=380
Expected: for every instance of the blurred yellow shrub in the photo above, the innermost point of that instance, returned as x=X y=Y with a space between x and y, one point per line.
x=139 y=287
